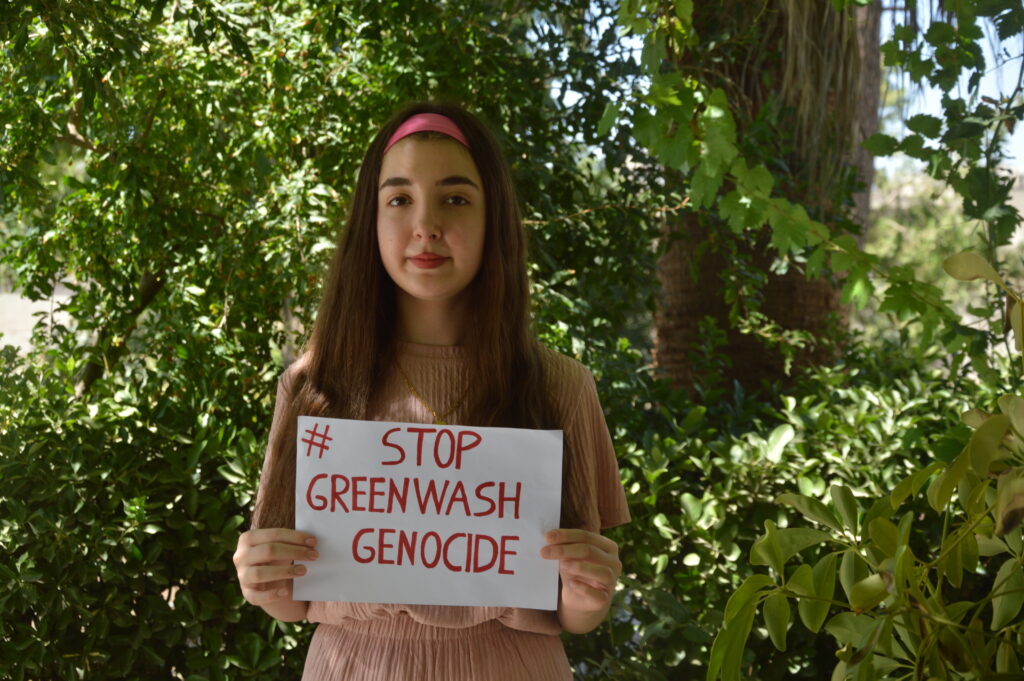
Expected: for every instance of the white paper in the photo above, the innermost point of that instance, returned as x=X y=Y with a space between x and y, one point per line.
x=477 y=482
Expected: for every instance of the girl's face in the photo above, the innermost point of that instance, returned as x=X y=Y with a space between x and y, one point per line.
x=430 y=218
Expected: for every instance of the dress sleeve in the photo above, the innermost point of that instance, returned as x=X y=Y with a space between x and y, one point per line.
x=595 y=485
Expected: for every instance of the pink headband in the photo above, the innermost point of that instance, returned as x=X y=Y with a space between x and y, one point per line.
x=427 y=121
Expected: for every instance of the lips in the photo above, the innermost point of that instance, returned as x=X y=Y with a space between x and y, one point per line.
x=428 y=261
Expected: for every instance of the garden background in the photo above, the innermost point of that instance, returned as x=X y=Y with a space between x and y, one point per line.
x=784 y=362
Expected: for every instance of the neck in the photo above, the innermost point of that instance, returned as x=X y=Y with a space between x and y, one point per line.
x=430 y=322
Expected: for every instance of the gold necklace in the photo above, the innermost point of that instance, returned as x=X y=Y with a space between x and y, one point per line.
x=439 y=419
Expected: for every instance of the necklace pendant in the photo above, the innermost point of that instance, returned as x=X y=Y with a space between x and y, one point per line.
x=439 y=422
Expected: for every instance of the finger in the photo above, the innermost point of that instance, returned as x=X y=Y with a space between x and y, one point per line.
x=577 y=536
x=598 y=576
x=595 y=598
x=579 y=552
x=270 y=553
x=281 y=535
x=267 y=593
x=260 y=574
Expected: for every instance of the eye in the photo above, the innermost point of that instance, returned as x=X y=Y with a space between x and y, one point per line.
x=463 y=200
x=393 y=199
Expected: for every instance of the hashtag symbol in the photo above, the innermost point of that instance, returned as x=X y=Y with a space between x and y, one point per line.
x=317 y=439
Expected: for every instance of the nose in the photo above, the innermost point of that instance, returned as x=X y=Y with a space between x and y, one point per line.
x=427 y=225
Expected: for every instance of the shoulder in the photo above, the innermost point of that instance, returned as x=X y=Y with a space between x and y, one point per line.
x=293 y=374
x=561 y=369
x=568 y=382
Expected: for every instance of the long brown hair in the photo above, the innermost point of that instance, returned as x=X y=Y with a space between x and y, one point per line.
x=352 y=344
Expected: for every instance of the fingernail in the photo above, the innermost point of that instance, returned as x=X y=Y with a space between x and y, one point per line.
x=299 y=570
x=311 y=541
x=312 y=555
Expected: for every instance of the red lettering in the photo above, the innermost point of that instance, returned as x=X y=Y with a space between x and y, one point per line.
x=451 y=449
x=407 y=547
x=374 y=493
x=504 y=553
x=462 y=447
x=514 y=498
x=419 y=442
x=480 y=495
x=381 y=545
x=355 y=547
x=394 y=494
x=431 y=494
x=337 y=495
x=321 y=502
x=458 y=495
x=447 y=544
x=401 y=452
x=357 y=492
x=477 y=567
x=437 y=549
x=483 y=552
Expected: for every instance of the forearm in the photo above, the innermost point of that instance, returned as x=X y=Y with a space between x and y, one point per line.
x=579 y=622
x=287 y=610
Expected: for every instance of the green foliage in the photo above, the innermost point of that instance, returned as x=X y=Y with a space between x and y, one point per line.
x=212 y=148
x=686 y=121
x=915 y=602
x=206 y=153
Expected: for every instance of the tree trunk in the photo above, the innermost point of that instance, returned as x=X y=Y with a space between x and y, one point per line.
x=691 y=271
x=866 y=119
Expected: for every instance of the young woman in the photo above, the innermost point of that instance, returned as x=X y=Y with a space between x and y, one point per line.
x=425 y=318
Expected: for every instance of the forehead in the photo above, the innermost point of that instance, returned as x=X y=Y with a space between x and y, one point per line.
x=428 y=158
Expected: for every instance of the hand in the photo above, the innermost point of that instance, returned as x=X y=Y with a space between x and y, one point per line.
x=264 y=562
x=588 y=565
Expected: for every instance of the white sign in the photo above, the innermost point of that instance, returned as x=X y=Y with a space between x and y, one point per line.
x=427 y=514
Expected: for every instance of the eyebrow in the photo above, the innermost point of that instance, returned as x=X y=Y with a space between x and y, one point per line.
x=446 y=182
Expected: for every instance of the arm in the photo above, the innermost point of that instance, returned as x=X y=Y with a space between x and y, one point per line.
x=589 y=567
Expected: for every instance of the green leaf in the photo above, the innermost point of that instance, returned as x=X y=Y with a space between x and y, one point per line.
x=847 y=506
x=745 y=594
x=929 y=126
x=868 y=592
x=1009 y=590
x=727 y=650
x=694 y=507
x=684 y=10
x=777 y=442
x=881 y=145
x=968 y=266
x=704 y=185
x=1017 y=324
x=985 y=441
x=852 y=569
x=885 y=535
x=850 y=629
x=801 y=582
x=942 y=487
x=811 y=508
x=1010 y=504
x=719 y=148
x=1013 y=407
x=777 y=546
x=608 y=118
x=814 y=612
x=910 y=485
x=776 y=618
